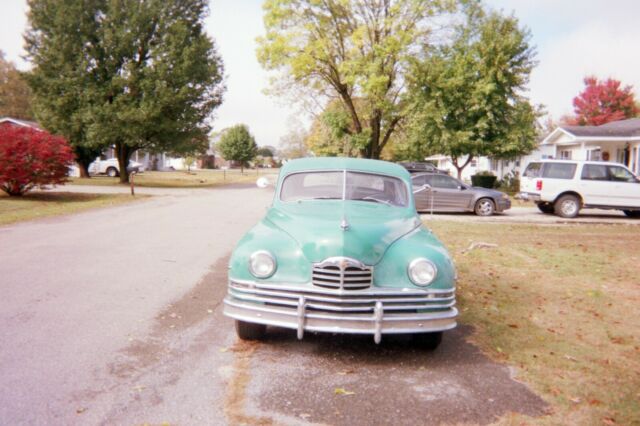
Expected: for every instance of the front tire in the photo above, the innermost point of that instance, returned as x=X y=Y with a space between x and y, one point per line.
x=484 y=207
x=250 y=330
x=567 y=206
x=632 y=213
x=429 y=341
x=546 y=208
x=112 y=172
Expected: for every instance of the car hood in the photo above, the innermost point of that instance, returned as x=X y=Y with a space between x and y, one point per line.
x=316 y=227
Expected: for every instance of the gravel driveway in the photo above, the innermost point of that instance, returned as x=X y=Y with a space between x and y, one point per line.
x=114 y=317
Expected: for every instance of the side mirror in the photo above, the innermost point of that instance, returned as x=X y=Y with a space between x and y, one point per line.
x=263 y=182
x=425 y=187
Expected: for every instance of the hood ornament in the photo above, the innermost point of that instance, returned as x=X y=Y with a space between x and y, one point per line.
x=344 y=225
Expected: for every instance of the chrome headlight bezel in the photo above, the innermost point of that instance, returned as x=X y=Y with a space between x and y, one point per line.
x=258 y=256
x=415 y=263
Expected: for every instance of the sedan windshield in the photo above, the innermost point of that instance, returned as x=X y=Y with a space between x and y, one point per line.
x=341 y=185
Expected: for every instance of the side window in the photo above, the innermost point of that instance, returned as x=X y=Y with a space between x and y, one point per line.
x=417 y=181
x=559 y=170
x=441 y=181
x=533 y=170
x=620 y=174
x=594 y=172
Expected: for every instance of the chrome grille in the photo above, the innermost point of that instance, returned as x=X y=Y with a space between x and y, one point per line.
x=341 y=273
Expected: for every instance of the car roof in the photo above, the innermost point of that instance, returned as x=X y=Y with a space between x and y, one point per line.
x=344 y=163
x=549 y=160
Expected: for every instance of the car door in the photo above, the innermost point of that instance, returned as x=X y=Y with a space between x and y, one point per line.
x=594 y=185
x=624 y=187
x=449 y=194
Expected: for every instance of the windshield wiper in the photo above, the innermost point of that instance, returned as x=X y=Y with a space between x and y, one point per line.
x=324 y=197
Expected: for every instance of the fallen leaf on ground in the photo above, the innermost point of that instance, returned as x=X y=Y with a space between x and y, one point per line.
x=224 y=349
x=81 y=410
x=210 y=311
x=345 y=372
x=342 y=391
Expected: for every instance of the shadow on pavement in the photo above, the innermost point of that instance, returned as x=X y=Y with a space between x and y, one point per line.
x=393 y=383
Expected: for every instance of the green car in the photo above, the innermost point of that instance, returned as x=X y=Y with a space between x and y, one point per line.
x=342 y=250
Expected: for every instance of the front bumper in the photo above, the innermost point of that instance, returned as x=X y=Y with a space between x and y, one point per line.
x=374 y=311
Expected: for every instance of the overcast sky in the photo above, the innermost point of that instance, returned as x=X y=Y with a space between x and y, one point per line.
x=572 y=38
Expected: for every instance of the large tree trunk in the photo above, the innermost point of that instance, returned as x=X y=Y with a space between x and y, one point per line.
x=84 y=157
x=123 y=152
x=84 y=170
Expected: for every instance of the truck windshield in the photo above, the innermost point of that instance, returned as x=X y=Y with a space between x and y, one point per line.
x=342 y=185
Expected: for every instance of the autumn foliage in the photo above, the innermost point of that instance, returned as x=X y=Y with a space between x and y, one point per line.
x=602 y=102
x=31 y=158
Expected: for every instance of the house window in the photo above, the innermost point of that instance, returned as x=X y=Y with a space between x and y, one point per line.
x=594 y=154
x=494 y=165
x=565 y=155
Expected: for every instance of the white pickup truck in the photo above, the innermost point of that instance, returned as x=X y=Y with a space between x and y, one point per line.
x=111 y=167
x=564 y=187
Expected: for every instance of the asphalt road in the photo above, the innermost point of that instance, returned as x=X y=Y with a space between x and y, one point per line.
x=114 y=317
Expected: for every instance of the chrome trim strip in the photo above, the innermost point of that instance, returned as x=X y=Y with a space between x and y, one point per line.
x=372 y=291
x=346 y=299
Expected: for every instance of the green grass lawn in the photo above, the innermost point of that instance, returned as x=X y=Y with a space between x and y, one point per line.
x=36 y=205
x=561 y=305
x=183 y=179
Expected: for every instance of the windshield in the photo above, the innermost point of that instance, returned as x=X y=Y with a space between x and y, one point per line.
x=342 y=185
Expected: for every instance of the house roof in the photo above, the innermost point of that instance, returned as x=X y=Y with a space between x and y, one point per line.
x=622 y=128
x=614 y=131
x=23 y=123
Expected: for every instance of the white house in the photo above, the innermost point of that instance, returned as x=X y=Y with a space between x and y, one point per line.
x=617 y=141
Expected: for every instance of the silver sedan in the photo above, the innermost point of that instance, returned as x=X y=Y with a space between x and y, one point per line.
x=444 y=193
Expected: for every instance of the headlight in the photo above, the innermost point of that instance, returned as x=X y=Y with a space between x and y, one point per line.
x=262 y=264
x=422 y=271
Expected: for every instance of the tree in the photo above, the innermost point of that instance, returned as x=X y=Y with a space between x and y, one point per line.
x=292 y=145
x=264 y=152
x=602 y=102
x=348 y=50
x=31 y=158
x=144 y=74
x=15 y=95
x=467 y=95
x=237 y=144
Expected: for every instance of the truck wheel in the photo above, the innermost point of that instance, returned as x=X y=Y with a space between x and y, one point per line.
x=250 y=330
x=484 y=207
x=545 y=207
x=112 y=172
x=567 y=206
x=632 y=213
x=429 y=341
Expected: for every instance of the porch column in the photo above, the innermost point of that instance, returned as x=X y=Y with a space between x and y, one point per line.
x=583 y=151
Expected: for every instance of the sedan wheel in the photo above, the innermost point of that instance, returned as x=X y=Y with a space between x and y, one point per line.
x=112 y=172
x=567 y=206
x=484 y=207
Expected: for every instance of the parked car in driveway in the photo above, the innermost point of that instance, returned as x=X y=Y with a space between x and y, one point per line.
x=422 y=167
x=342 y=250
x=443 y=193
x=565 y=187
x=110 y=167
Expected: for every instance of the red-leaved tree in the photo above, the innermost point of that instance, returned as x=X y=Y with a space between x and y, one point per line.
x=602 y=102
x=31 y=158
